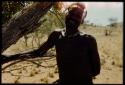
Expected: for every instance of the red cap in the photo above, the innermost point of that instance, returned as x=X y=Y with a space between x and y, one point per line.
x=75 y=7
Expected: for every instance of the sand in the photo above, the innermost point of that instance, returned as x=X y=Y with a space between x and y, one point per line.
x=111 y=55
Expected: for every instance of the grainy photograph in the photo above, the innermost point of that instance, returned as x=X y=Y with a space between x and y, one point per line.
x=62 y=42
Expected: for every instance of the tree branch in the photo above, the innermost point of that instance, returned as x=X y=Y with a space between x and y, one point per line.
x=23 y=22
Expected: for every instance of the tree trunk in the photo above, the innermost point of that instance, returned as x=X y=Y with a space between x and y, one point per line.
x=24 y=22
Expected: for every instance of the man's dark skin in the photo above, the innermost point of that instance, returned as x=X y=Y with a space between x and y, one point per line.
x=76 y=53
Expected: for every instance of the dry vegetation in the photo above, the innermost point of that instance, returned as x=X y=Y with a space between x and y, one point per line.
x=110 y=50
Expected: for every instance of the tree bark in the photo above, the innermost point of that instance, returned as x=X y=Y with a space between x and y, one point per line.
x=24 y=22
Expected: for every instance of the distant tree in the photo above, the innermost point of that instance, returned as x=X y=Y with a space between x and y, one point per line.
x=92 y=24
x=111 y=26
x=113 y=22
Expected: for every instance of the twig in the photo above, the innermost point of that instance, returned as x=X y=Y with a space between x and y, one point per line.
x=11 y=64
x=14 y=69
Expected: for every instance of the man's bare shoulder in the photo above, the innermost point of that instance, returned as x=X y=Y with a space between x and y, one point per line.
x=58 y=30
x=55 y=34
x=82 y=33
x=87 y=36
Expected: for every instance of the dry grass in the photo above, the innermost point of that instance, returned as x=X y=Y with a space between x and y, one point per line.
x=110 y=51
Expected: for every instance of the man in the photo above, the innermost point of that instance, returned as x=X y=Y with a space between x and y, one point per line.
x=76 y=53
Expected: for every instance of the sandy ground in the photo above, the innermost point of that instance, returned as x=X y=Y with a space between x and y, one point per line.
x=27 y=72
x=110 y=50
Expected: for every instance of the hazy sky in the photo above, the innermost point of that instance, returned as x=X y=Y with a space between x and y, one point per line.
x=100 y=12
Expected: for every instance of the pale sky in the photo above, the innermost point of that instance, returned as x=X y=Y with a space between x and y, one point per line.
x=100 y=12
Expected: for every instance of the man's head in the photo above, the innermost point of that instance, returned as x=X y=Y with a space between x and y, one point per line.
x=75 y=16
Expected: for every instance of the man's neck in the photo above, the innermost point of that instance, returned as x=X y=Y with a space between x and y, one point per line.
x=71 y=32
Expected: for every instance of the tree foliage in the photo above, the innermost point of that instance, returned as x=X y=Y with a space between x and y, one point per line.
x=110 y=28
x=113 y=21
x=9 y=8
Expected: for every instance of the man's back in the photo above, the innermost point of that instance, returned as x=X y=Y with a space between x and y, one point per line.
x=74 y=59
